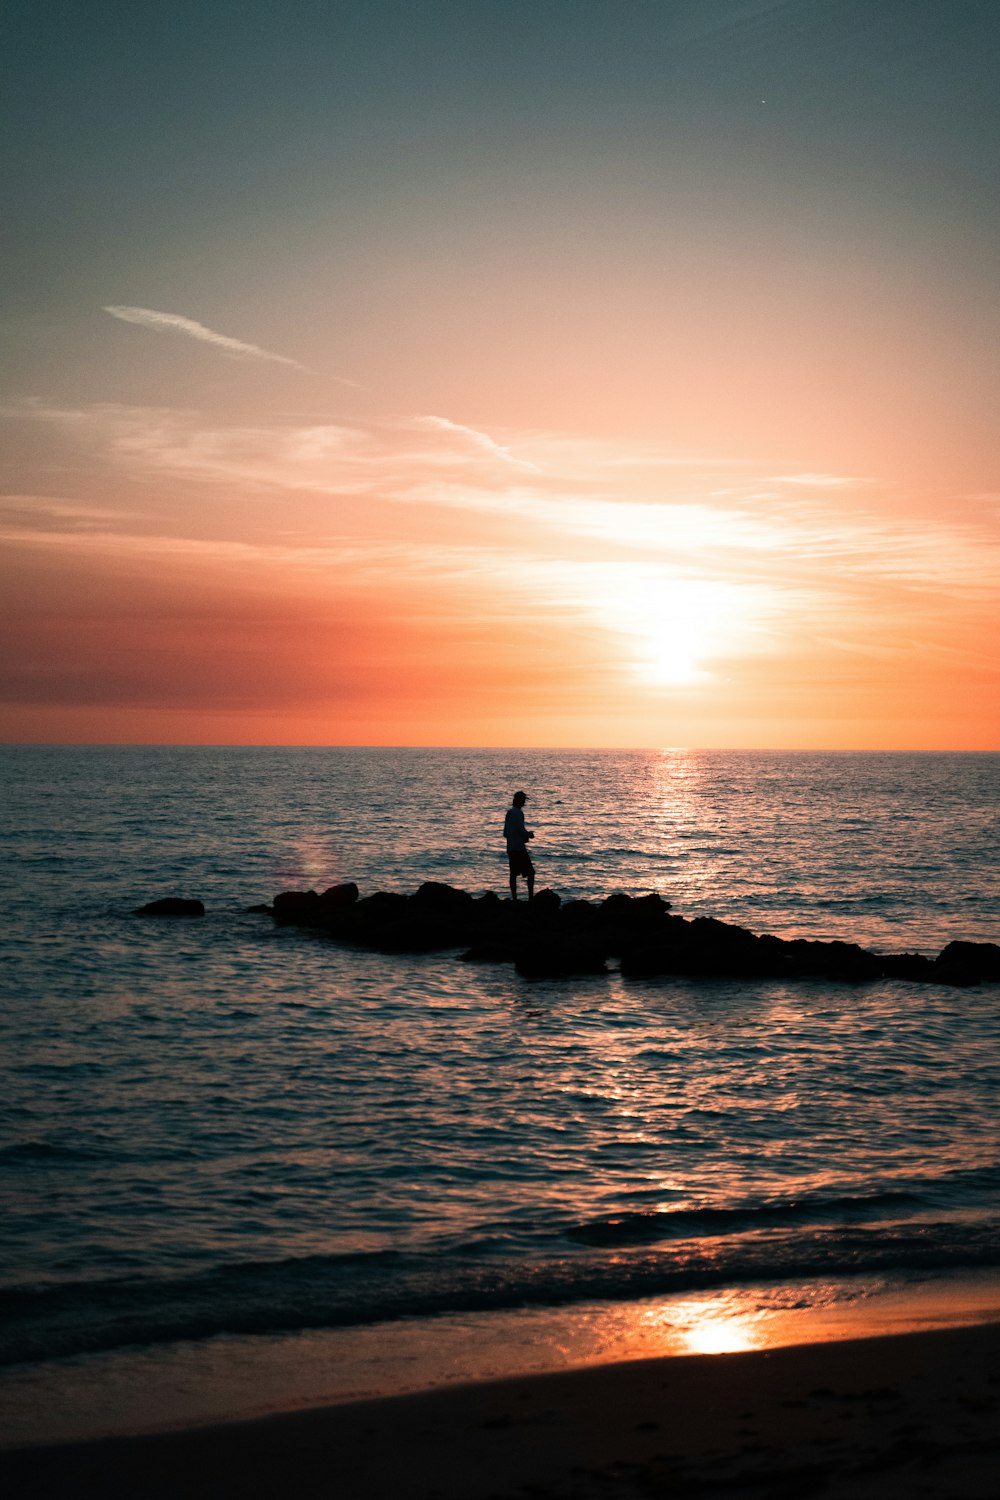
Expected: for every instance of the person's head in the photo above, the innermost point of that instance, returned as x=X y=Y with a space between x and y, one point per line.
x=519 y=799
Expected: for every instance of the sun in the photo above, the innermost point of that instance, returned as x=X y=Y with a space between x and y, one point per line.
x=672 y=660
x=676 y=627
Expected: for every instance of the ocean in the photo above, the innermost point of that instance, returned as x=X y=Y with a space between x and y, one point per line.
x=223 y=1142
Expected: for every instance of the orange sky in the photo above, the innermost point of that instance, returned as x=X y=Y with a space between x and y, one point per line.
x=476 y=420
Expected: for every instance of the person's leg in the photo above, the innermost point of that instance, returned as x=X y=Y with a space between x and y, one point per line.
x=531 y=885
x=513 y=886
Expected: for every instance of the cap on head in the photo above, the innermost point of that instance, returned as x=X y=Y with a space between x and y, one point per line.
x=519 y=798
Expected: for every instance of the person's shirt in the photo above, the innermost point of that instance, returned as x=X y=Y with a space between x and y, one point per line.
x=514 y=830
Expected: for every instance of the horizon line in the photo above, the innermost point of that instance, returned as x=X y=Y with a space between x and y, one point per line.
x=496 y=749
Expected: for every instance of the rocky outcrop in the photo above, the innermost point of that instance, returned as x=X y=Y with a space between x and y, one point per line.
x=310 y=909
x=968 y=963
x=548 y=938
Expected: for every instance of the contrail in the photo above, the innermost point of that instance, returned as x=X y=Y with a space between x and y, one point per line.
x=174 y=323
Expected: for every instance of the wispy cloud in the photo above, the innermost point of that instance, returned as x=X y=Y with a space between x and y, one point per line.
x=665 y=582
x=477 y=439
x=805 y=558
x=818 y=481
x=30 y=512
x=163 y=322
x=323 y=458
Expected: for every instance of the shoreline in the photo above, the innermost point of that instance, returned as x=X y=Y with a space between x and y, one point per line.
x=145 y=1392
x=894 y=1415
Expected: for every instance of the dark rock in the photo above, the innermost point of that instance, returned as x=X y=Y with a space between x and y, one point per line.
x=559 y=957
x=615 y=908
x=171 y=906
x=578 y=913
x=649 y=908
x=431 y=920
x=363 y=921
x=446 y=899
x=382 y=907
x=912 y=966
x=630 y=910
x=653 y=960
x=956 y=974
x=542 y=912
x=626 y=921
x=648 y=960
x=297 y=908
x=335 y=897
x=545 y=903
x=702 y=947
x=979 y=958
x=310 y=909
x=835 y=960
x=414 y=934
x=546 y=938
x=724 y=948
x=261 y=908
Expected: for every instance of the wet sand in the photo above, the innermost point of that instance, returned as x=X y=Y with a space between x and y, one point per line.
x=914 y=1414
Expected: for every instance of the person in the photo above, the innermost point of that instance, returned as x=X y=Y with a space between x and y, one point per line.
x=517 y=837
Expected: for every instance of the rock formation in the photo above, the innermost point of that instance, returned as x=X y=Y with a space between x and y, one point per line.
x=548 y=938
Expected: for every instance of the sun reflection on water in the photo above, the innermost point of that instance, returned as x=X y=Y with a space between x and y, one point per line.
x=720 y=1335
x=308 y=862
x=725 y=1324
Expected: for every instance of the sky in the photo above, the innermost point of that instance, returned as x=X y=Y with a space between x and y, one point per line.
x=506 y=372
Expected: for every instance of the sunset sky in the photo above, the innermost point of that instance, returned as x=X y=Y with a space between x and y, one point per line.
x=506 y=372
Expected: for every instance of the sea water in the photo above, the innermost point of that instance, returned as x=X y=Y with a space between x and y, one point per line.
x=216 y=1133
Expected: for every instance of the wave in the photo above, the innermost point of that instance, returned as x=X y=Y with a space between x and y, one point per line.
x=641 y=1226
x=34 y=1151
x=291 y=1295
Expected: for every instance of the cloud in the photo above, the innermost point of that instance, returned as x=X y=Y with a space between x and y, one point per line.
x=412 y=480
x=332 y=458
x=478 y=439
x=818 y=481
x=146 y=317
x=43 y=513
x=387 y=559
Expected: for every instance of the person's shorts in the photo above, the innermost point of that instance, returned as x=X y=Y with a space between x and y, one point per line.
x=520 y=862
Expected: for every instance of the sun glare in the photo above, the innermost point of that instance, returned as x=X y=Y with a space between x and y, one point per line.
x=677 y=626
x=725 y=1324
x=672 y=661
x=714 y=1335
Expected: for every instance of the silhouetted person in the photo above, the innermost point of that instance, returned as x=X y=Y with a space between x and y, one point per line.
x=517 y=837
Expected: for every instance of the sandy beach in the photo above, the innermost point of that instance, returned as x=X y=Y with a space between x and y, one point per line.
x=909 y=1415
